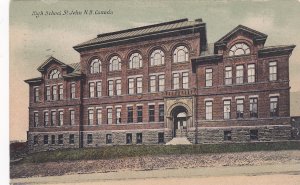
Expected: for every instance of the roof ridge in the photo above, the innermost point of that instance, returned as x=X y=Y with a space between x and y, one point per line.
x=142 y=27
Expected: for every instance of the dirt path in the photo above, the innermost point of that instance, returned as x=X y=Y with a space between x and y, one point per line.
x=287 y=174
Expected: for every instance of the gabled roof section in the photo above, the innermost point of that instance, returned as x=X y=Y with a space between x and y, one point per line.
x=41 y=68
x=257 y=36
x=143 y=32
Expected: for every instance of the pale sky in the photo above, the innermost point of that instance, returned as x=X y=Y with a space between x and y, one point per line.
x=32 y=39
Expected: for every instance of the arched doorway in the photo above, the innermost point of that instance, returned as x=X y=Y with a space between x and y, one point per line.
x=180 y=119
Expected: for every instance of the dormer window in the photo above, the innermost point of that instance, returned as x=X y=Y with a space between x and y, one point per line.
x=95 y=66
x=54 y=74
x=239 y=49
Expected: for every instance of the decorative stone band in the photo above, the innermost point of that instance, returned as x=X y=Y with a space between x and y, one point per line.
x=272 y=95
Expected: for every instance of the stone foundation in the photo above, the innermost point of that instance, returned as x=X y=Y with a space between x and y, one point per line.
x=150 y=137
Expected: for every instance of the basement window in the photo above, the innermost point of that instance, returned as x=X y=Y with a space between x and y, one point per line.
x=128 y=138
x=161 y=137
x=227 y=135
x=254 y=135
x=89 y=139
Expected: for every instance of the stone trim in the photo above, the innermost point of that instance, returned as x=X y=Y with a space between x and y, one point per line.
x=227 y=98
x=240 y=97
x=208 y=99
x=253 y=96
x=274 y=95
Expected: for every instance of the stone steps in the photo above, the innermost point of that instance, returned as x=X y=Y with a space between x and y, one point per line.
x=179 y=141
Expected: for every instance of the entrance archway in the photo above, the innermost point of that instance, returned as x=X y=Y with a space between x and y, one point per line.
x=180 y=120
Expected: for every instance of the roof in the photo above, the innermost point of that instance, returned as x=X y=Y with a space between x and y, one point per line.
x=256 y=34
x=50 y=59
x=142 y=31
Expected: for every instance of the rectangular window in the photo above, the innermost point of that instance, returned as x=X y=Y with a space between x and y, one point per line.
x=161 y=83
x=72 y=117
x=239 y=74
x=128 y=138
x=273 y=71
x=208 y=77
x=53 y=118
x=130 y=86
x=227 y=109
x=208 y=110
x=251 y=73
x=99 y=89
x=109 y=116
x=161 y=110
x=89 y=139
x=139 y=138
x=108 y=138
x=274 y=107
x=46 y=118
x=161 y=137
x=228 y=75
x=239 y=108
x=129 y=114
x=99 y=116
x=91 y=117
x=60 y=139
x=175 y=80
x=139 y=114
x=61 y=118
x=48 y=94
x=92 y=89
x=151 y=113
x=254 y=135
x=36 y=94
x=61 y=92
x=110 y=87
x=35 y=140
x=227 y=135
x=185 y=80
x=139 y=85
x=46 y=139
x=253 y=108
x=54 y=92
x=73 y=90
x=71 y=139
x=118 y=115
x=35 y=119
x=53 y=139
x=118 y=87
x=152 y=83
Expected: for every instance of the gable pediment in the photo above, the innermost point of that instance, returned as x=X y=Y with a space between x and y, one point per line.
x=256 y=36
x=51 y=61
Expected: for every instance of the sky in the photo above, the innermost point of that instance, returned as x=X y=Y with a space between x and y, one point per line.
x=33 y=39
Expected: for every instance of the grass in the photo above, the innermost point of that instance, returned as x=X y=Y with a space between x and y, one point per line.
x=111 y=152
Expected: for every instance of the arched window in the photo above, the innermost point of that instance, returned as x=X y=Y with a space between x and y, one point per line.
x=239 y=49
x=181 y=54
x=135 y=61
x=54 y=74
x=95 y=66
x=115 y=64
x=157 y=58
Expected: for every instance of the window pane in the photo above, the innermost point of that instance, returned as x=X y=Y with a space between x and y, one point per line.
x=176 y=81
x=109 y=116
x=152 y=84
x=161 y=83
x=185 y=80
x=139 y=85
x=240 y=74
x=251 y=73
x=227 y=109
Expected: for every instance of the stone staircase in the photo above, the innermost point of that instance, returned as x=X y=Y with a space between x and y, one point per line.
x=179 y=141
